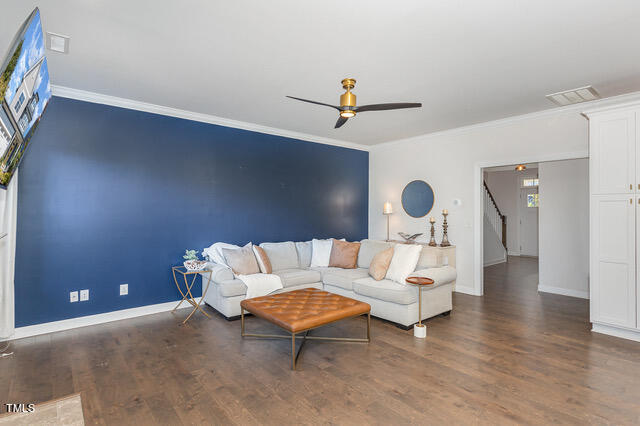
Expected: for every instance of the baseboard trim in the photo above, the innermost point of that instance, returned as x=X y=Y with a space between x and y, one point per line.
x=466 y=290
x=563 y=291
x=616 y=332
x=494 y=262
x=71 y=323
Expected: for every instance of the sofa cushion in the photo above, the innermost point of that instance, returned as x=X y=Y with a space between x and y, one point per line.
x=344 y=254
x=344 y=278
x=304 y=253
x=430 y=257
x=440 y=276
x=296 y=276
x=230 y=288
x=387 y=290
x=324 y=270
x=368 y=249
x=281 y=255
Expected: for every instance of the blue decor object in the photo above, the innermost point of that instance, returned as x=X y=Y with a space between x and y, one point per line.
x=417 y=198
x=109 y=196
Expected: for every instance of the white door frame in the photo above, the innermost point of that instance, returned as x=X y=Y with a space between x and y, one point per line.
x=478 y=229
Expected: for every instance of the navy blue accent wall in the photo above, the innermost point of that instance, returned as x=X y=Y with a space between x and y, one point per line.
x=110 y=196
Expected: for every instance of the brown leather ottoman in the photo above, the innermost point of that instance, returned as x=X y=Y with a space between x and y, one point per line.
x=303 y=310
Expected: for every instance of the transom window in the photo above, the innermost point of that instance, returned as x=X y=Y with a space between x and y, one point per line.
x=530 y=182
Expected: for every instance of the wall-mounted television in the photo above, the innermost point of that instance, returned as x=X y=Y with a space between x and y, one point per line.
x=24 y=94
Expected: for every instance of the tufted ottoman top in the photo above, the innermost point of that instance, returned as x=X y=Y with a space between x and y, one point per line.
x=301 y=310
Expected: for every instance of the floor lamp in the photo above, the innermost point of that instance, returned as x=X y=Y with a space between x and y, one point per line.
x=387 y=210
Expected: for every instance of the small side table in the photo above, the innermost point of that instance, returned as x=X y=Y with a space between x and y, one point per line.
x=186 y=294
x=420 y=330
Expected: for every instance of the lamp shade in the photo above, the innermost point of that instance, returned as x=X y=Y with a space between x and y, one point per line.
x=387 y=209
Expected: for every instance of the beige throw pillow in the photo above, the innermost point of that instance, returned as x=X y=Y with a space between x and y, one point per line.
x=344 y=254
x=242 y=261
x=263 y=260
x=380 y=263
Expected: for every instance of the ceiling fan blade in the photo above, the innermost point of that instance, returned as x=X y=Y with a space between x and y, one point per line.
x=313 y=102
x=384 y=107
x=340 y=122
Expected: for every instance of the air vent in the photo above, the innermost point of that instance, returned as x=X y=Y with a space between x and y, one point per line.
x=574 y=96
x=58 y=42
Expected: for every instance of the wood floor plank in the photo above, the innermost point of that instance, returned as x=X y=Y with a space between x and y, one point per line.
x=514 y=356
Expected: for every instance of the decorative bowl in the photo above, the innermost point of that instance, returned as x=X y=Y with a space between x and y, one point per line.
x=194 y=265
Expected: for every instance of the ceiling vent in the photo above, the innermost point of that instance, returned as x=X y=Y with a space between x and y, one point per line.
x=574 y=96
x=58 y=42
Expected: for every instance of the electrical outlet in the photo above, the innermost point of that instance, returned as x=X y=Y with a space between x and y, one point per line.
x=84 y=295
x=73 y=296
x=124 y=289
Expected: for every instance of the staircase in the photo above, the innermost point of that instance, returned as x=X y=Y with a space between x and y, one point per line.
x=495 y=232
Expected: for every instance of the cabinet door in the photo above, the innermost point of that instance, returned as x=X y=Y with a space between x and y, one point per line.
x=612 y=153
x=613 y=259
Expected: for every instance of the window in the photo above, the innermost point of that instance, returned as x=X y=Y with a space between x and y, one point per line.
x=23 y=122
x=533 y=200
x=19 y=103
x=530 y=182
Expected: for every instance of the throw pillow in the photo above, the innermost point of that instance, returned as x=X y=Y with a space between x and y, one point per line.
x=344 y=254
x=263 y=260
x=404 y=261
x=214 y=252
x=320 y=253
x=242 y=260
x=380 y=264
x=304 y=249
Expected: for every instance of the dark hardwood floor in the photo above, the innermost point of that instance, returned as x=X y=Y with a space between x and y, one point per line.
x=512 y=356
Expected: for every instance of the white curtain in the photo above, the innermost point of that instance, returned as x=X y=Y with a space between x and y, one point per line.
x=8 y=214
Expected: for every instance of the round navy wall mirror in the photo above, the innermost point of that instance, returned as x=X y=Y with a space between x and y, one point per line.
x=417 y=198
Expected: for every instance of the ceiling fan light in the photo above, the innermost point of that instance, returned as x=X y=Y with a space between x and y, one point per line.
x=347 y=113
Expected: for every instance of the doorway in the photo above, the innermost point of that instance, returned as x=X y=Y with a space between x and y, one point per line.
x=544 y=209
x=528 y=203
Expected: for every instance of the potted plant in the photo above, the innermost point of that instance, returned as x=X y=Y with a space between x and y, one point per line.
x=191 y=261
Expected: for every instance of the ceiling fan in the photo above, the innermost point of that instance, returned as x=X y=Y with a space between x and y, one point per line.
x=348 y=108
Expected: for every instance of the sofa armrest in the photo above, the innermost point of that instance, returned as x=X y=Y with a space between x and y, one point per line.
x=218 y=272
x=442 y=275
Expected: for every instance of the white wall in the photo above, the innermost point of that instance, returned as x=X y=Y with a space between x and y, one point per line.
x=505 y=188
x=564 y=227
x=494 y=251
x=449 y=160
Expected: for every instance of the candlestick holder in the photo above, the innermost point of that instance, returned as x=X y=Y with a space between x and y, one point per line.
x=445 y=239
x=432 y=241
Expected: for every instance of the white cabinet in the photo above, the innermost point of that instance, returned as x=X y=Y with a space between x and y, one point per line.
x=614 y=173
x=613 y=259
x=612 y=153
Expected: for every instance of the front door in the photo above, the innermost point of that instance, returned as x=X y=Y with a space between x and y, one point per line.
x=528 y=212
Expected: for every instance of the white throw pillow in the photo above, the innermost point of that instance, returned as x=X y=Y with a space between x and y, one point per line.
x=320 y=252
x=404 y=261
x=214 y=252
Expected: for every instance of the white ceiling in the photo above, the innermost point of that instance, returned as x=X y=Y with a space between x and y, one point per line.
x=466 y=61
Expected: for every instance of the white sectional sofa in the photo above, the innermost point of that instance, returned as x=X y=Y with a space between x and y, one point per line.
x=389 y=300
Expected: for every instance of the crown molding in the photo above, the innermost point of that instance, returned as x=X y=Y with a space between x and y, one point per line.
x=582 y=108
x=98 y=98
